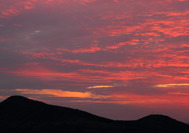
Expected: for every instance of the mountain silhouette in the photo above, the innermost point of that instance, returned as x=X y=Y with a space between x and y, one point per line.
x=22 y=115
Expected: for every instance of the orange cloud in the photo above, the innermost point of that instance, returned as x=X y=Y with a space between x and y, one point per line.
x=61 y=93
x=100 y=86
x=172 y=85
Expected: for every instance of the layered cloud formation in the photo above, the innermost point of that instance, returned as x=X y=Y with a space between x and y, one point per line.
x=98 y=53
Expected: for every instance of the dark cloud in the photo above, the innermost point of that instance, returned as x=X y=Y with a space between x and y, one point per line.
x=11 y=59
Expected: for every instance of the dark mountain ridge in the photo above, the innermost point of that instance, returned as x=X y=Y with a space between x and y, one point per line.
x=20 y=107
x=19 y=115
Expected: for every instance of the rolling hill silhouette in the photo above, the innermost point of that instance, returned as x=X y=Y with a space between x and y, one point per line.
x=22 y=115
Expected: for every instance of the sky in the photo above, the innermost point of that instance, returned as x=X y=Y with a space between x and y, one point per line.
x=120 y=59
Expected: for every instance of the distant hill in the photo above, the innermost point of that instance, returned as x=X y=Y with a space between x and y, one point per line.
x=22 y=115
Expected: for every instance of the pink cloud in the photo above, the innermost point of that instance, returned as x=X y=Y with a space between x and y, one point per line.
x=18 y=7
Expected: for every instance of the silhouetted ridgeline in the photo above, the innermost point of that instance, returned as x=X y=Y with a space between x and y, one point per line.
x=22 y=115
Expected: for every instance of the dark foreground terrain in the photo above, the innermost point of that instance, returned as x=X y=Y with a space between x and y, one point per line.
x=22 y=115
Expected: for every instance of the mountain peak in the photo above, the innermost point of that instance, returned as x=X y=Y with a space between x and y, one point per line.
x=160 y=120
x=156 y=118
x=15 y=98
x=19 y=100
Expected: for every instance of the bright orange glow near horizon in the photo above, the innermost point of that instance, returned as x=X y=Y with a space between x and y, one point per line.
x=122 y=55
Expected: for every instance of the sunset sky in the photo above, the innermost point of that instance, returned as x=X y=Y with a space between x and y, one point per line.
x=120 y=59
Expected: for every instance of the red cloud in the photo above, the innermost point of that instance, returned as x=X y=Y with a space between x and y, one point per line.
x=18 y=7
